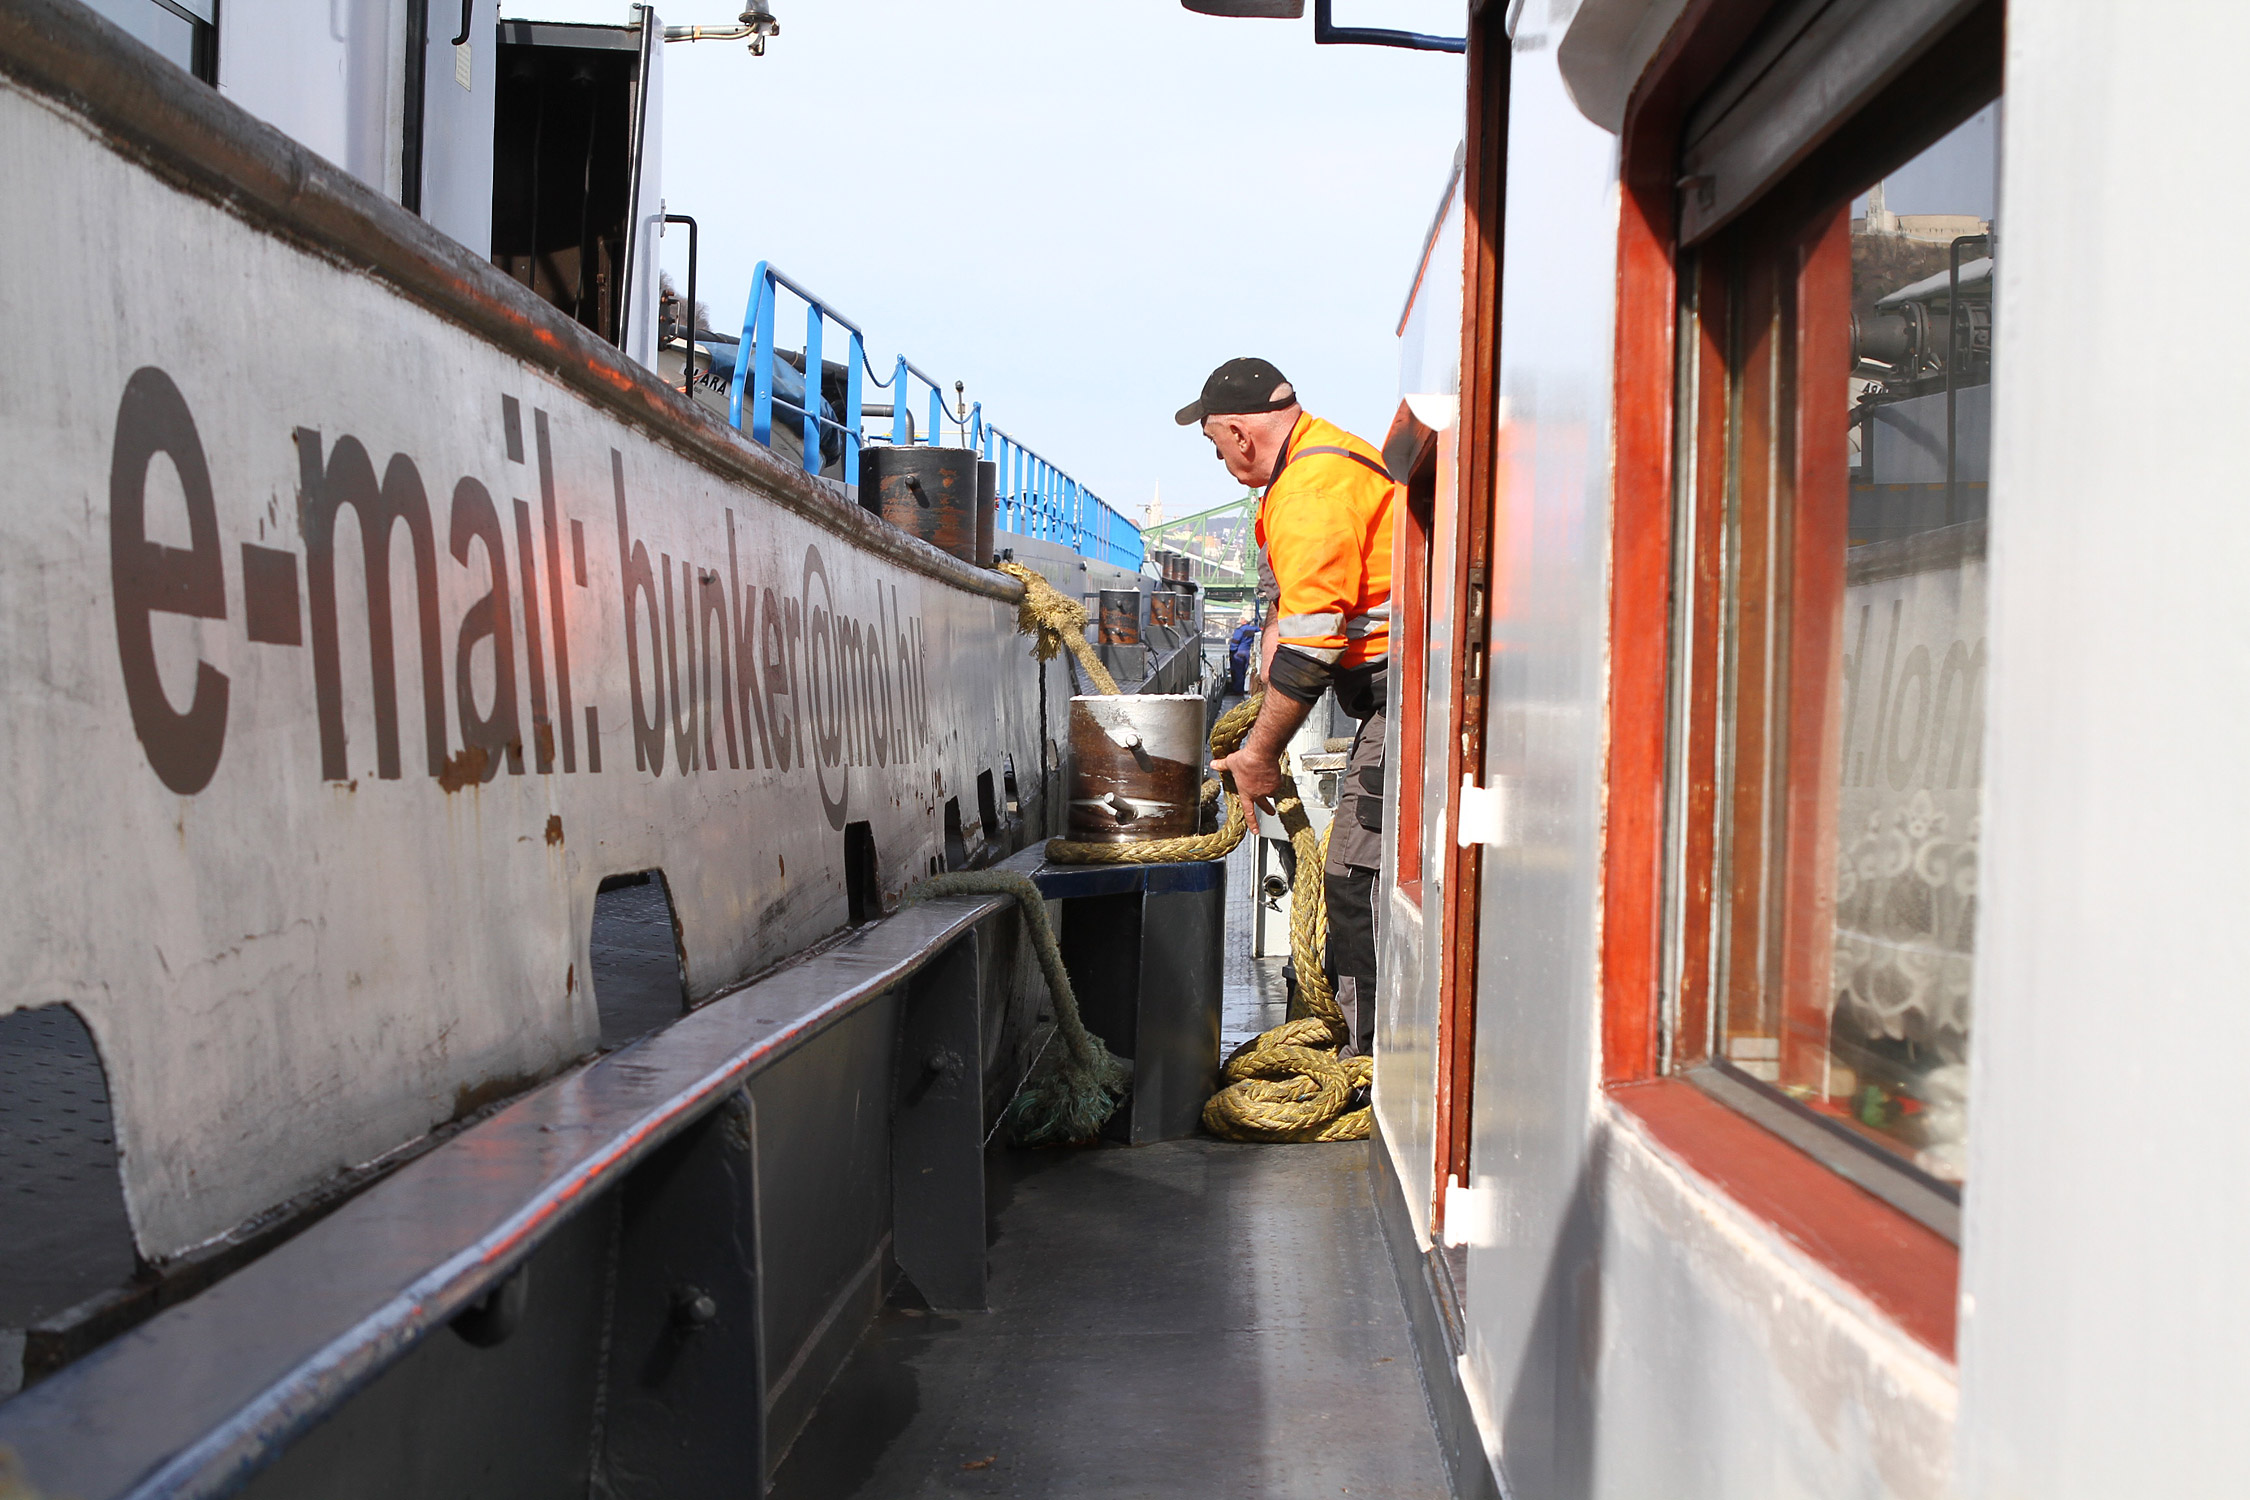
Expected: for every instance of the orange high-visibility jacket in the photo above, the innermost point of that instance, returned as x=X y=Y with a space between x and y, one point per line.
x=1325 y=524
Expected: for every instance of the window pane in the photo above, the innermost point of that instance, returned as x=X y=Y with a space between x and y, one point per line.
x=1857 y=355
x=1912 y=666
x=157 y=26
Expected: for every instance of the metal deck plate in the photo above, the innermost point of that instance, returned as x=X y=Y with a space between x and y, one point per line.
x=1191 y=1318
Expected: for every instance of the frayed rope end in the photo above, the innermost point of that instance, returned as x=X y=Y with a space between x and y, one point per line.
x=1066 y=1103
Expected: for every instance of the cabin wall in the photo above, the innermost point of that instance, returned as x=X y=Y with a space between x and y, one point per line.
x=1714 y=1360
x=1405 y=1095
x=457 y=114
x=1534 y=1264
x=370 y=906
x=2103 y=1302
x=643 y=287
x=1630 y=1330
x=331 y=74
x=1406 y=1088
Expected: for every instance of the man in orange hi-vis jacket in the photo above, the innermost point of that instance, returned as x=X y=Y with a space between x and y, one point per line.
x=1325 y=531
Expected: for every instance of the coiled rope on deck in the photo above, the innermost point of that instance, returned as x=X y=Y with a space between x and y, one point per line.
x=1288 y=1083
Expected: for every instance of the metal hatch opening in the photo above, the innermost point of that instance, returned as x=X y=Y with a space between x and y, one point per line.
x=956 y=841
x=640 y=975
x=68 y=1238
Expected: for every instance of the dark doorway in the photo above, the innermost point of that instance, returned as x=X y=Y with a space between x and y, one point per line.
x=565 y=137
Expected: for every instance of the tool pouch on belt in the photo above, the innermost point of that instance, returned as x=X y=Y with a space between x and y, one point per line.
x=1362 y=691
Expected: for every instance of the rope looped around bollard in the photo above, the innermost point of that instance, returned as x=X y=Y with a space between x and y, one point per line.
x=1289 y=1083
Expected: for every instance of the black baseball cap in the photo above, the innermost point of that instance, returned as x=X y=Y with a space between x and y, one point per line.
x=1238 y=388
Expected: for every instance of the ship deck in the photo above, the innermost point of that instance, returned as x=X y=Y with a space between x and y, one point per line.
x=1195 y=1318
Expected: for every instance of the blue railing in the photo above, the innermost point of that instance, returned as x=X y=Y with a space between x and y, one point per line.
x=1036 y=497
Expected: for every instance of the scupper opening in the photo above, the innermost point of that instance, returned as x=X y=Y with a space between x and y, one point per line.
x=67 y=1238
x=639 y=972
x=863 y=892
x=988 y=808
x=956 y=842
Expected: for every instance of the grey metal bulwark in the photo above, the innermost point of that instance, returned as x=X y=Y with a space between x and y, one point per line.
x=598 y=1250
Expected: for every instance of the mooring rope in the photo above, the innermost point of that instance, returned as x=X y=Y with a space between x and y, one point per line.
x=1288 y=1083
x=1053 y=623
x=1068 y=1098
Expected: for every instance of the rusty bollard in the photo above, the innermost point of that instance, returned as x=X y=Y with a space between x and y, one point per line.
x=1120 y=622
x=931 y=492
x=1136 y=767
x=988 y=506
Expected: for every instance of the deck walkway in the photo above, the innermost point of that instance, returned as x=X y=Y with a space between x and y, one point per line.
x=1193 y=1319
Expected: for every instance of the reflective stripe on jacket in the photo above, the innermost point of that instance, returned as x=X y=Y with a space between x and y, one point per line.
x=1325 y=525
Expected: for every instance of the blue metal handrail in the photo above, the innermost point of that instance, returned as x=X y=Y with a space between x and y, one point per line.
x=1036 y=497
x=757 y=337
x=902 y=431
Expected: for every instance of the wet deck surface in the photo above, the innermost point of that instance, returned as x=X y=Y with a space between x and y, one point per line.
x=1191 y=1319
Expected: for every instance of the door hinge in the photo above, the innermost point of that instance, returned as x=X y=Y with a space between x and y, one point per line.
x=1471 y=1214
x=1486 y=814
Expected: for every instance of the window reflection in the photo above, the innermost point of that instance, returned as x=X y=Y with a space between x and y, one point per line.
x=1858 y=347
x=1913 y=660
x=184 y=31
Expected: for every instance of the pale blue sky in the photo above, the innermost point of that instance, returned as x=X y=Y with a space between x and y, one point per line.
x=1076 y=206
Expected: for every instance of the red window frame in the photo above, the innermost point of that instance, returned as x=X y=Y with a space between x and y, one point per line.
x=1412 y=452
x=1907 y=1270
x=1461 y=543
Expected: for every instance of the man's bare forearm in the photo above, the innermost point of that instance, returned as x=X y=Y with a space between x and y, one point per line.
x=1279 y=717
x=1254 y=766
